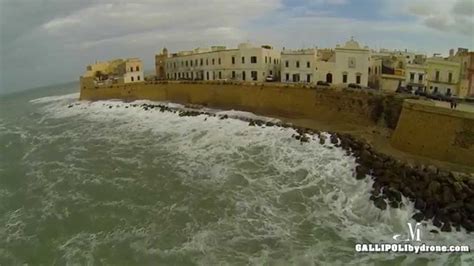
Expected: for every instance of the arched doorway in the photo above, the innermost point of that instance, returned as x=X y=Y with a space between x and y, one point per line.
x=329 y=78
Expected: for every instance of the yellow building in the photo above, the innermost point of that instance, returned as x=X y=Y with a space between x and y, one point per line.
x=443 y=76
x=117 y=71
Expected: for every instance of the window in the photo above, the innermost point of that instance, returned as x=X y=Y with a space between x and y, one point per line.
x=266 y=60
x=270 y=60
x=287 y=64
x=187 y=63
x=132 y=78
x=213 y=61
x=138 y=78
x=220 y=75
x=297 y=64
x=243 y=74
x=243 y=61
x=207 y=75
x=436 y=89
x=344 y=78
x=412 y=76
x=308 y=78
x=207 y=62
x=450 y=77
x=219 y=60
x=420 y=77
x=437 y=76
x=233 y=60
x=254 y=74
x=131 y=69
x=358 y=76
x=253 y=59
x=271 y=72
x=202 y=62
x=296 y=77
x=308 y=64
x=329 y=78
x=191 y=62
x=370 y=71
x=287 y=77
x=233 y=74
x=196 y=62
x=137 y=69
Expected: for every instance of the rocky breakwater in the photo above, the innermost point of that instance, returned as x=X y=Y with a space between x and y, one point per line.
x=444 y=198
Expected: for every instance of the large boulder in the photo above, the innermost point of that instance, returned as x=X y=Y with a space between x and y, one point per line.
x=361 y=172
x=418 y=216
x=380 y=203
x=446 y=227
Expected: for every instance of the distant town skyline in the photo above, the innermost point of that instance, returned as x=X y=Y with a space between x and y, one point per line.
x=48 y=42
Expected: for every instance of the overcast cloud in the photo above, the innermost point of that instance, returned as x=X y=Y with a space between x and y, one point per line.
x=50 y=41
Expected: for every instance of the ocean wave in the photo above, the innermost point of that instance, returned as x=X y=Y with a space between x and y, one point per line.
x=225 y=191
x=48 y=99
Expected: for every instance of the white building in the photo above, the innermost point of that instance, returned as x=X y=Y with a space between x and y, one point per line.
x=352 y=64
x=132 y=70
x=246 y=63
x=416 y=77
x=346 y=64
x=298 y=65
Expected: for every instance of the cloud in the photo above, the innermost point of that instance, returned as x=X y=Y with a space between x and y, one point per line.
x=52 y=40
x=442 y=15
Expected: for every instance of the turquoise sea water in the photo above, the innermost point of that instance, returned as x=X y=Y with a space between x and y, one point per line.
x=104 y=183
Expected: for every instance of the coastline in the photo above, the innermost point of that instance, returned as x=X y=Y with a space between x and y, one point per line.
x=444 y=198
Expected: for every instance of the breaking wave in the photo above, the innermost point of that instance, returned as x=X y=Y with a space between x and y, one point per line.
x=132 y=186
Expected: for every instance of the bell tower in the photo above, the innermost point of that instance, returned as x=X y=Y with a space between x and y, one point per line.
x=160 y=64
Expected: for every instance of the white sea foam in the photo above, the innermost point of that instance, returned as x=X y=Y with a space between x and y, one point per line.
x=275 y=200
x=55 y=98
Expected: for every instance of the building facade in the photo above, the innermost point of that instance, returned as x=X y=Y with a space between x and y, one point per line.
x=416 y=77
x=118 y=71
x=443 y=76
x=298 y=65
x=245 y=63
x=160 y=64
x=351 y=64
x=344 y=65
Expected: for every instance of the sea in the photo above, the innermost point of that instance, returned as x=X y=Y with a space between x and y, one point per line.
x=107 y=183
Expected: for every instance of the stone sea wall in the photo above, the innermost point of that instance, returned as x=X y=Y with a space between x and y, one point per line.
x=360 y=108
x=439 y=133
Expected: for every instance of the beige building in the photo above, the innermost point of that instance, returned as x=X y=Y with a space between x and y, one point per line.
x=245 y=63
x=443 y=75
x=116 y=71
x=345 y=64
x=298 y=65
x=416 y=77
x=391 y=70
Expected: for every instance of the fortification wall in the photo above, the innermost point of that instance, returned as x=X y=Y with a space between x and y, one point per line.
x=435 y=132
x=355 y=107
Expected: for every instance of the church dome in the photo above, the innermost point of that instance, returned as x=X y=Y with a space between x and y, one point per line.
x=352 y=44
x=164 y=51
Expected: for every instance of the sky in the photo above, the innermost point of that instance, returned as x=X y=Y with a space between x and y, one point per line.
x=46 y=42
